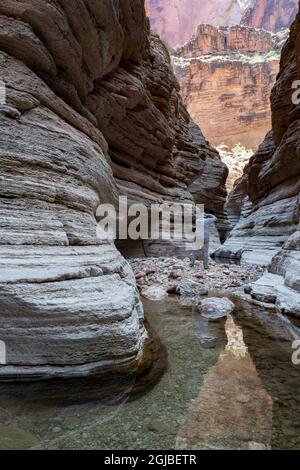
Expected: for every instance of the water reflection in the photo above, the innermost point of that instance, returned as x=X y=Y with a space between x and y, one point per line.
x=232 y=410
x=233 y=390
x=269 y=338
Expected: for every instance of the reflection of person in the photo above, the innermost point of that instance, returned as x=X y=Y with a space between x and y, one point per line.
x=208 y=220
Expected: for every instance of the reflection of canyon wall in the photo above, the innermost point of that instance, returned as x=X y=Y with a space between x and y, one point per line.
x=176 y=20
x=233 y=410
x=271 y=181
x=97 y=115
x=226 y=76
x=271 y=15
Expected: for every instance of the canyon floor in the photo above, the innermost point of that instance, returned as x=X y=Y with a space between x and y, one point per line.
x=160 y=277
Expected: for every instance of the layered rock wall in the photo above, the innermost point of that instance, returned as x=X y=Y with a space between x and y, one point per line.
x=57 y=280
x=271 y=181
x=92 y=111
x=271 y=15
x=226 y=76
x=176 y=20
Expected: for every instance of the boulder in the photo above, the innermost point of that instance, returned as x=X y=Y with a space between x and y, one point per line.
x=215 y=308
x=154 y=293
x=191 y=289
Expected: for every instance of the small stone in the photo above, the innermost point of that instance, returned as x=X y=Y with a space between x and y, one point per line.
x=175 y=274
x=150 y=271
x=172 y=289
x=192 y=289
x=199 y=275
x=140 y=275
x=208 y=342
x=257 y=446
x=215 y=308
x=264 y=297
x=155 y=425
x=154 y=293
x=56 y=430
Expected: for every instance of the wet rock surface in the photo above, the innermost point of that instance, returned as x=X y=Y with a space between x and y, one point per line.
x=215 y=309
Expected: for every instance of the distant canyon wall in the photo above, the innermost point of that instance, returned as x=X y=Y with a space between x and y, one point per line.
x=177 y=20
x=272 y=15
x=226 y=76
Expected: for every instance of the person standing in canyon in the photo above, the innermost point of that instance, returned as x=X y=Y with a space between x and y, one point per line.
x=207 y=220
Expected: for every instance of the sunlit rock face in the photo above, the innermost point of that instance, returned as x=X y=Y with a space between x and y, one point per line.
x=271 y=15
x=82 y=122
x=226 y=76
x=271 y=181
x=176 y=20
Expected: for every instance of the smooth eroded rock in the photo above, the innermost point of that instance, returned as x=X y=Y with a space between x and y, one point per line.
x=215 y=308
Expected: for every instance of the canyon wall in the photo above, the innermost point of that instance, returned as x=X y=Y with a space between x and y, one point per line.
x=176 y=20
x=96 y=117
x=271 y=182
x=226 y=76
x=271 y=15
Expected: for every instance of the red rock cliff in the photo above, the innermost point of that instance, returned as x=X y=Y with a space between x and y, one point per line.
x=176 y=20
x=226 y=76
x=271 y=15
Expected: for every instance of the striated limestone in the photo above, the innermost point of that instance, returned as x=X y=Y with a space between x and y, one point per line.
x=67 y=311
x=82 y=123
x=209 y=188
x=60 y=314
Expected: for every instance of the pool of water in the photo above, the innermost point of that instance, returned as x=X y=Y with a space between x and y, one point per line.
x=205 y=382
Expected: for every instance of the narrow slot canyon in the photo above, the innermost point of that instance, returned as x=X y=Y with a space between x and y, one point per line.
x=130 y=338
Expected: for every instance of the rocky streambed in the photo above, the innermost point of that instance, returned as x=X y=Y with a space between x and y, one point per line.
x=158 y=277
